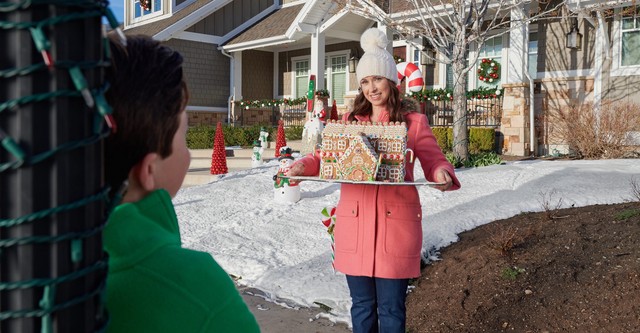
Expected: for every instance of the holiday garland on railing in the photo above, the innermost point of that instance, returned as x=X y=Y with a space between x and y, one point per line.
x=489 y=71
x=447 y=94
x=267 y=103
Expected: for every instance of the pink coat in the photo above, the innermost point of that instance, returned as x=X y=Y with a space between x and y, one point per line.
x=378 y=230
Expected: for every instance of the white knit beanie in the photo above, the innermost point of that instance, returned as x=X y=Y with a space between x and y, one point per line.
x=376 y=60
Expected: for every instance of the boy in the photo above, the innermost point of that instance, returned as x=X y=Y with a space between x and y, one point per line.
x=155 y=285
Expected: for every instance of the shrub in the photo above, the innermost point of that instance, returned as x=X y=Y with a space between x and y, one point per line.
x=482 y=159
x=200 y=137
x=444 y=136
x=481 y=140
x=592 y=133
x=293 y=132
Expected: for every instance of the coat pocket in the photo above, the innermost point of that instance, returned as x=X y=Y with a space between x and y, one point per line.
x=403 y=230
x=346 y=229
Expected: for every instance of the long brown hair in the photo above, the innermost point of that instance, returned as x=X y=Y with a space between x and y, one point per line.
x=362 y=107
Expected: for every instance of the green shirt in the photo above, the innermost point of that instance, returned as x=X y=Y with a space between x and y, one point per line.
x=155 y=285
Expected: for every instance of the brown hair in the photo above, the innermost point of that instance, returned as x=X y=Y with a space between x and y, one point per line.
x=148 y=92
x=362 y=107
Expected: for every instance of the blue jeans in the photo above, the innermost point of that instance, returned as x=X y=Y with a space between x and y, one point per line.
x=378 y=304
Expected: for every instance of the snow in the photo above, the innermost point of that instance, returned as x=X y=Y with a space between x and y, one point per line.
x=285 y=250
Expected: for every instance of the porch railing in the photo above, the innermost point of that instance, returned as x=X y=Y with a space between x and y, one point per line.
x=480 y=113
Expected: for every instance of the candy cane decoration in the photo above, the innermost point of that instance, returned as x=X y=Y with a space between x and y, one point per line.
x=330 y=222
x=413 y=75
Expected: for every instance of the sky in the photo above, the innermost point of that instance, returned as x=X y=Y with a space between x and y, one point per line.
x=285 y=251
x=117 y=6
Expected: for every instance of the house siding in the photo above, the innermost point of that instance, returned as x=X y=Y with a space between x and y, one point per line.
x=207 y=72
x=230 y=17
x=554 y=56
x=257 y=64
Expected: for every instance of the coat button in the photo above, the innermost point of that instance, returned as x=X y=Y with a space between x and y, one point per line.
x=419 y=215
x=353 y=212
x=388 y=213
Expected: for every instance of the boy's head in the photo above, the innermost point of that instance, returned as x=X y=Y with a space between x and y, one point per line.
x=148 y=94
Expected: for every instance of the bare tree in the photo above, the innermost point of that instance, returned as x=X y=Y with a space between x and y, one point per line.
x=450 y=27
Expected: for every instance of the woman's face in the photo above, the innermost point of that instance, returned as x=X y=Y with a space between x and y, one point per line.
x=376 y=90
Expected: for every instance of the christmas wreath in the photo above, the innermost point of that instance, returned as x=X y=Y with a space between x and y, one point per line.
x=489 y=71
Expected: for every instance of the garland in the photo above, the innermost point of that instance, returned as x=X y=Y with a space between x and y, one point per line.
x=322 y=93
x=267 y=103
x=447 y=94
x=489 y=71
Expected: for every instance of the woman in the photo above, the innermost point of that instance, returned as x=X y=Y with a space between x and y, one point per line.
x=378 y=232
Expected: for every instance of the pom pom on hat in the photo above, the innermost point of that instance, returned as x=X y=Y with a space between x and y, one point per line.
x=376 y=59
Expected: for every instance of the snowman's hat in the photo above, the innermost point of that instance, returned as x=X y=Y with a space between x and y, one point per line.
x=285 y=153
x=256 y=143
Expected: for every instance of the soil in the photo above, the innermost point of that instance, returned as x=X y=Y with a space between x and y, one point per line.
x=576 y=270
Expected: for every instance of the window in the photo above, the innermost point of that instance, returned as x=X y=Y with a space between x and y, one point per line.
x=342 y=144
x=337 y=77
x=302 y=78
x=139 y=12
x=533 y=55
x=492 y=48
x=416 y=57
x=630 y=39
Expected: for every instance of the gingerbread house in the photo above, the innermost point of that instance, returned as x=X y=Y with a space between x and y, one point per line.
x=382 y=146
x=359 y=162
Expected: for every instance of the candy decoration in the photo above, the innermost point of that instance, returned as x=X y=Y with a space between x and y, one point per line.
x=330 y=222
x=281 y=140
x=413 y=75
x=311 y=92
x=219 y=156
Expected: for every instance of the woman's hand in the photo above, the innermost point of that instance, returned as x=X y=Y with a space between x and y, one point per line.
x=442 y=176
x=296 y=170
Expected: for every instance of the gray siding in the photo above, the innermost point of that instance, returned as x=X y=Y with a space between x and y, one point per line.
x=230 y=17
x=553 y=56
x=179 y=2
x=257 y=74
x=207 y=72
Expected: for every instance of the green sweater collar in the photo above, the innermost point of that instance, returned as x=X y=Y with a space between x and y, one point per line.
x=137 y=229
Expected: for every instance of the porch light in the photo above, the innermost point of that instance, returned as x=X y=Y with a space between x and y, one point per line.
x=353 y=62
x=427 y=57
x=574 y=37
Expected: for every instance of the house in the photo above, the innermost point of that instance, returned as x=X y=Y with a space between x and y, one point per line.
x=351 y=151
x=242 y=50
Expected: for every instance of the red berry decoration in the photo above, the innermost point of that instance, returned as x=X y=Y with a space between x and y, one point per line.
x=219 y=156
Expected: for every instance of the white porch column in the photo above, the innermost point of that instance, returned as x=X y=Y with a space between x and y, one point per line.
x=517 y=110
x=518 y=53
x=236 y=89
x=276 y=77
x=317 y=58
x=382 y=27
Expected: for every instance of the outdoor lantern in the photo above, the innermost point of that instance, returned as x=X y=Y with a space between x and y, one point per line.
x=428 y=57
x=574 y=37
x=353 y=62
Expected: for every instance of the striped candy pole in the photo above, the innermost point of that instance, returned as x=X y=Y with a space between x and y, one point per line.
x=330 y=222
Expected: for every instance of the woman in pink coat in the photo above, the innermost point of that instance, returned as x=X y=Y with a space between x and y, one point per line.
x=378 y=232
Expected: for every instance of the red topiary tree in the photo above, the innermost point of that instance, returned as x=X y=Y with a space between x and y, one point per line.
x=334 y=111
x=281 y=141
x=219 y=156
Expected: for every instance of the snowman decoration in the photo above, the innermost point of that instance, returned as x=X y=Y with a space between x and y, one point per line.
x=256 y=157
x=263 y=138
x=284 y=191
x=312 y=132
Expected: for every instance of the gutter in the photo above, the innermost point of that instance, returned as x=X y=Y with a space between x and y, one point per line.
x=232 y=86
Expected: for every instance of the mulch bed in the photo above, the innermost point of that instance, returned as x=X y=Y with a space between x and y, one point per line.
x=575 y=270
